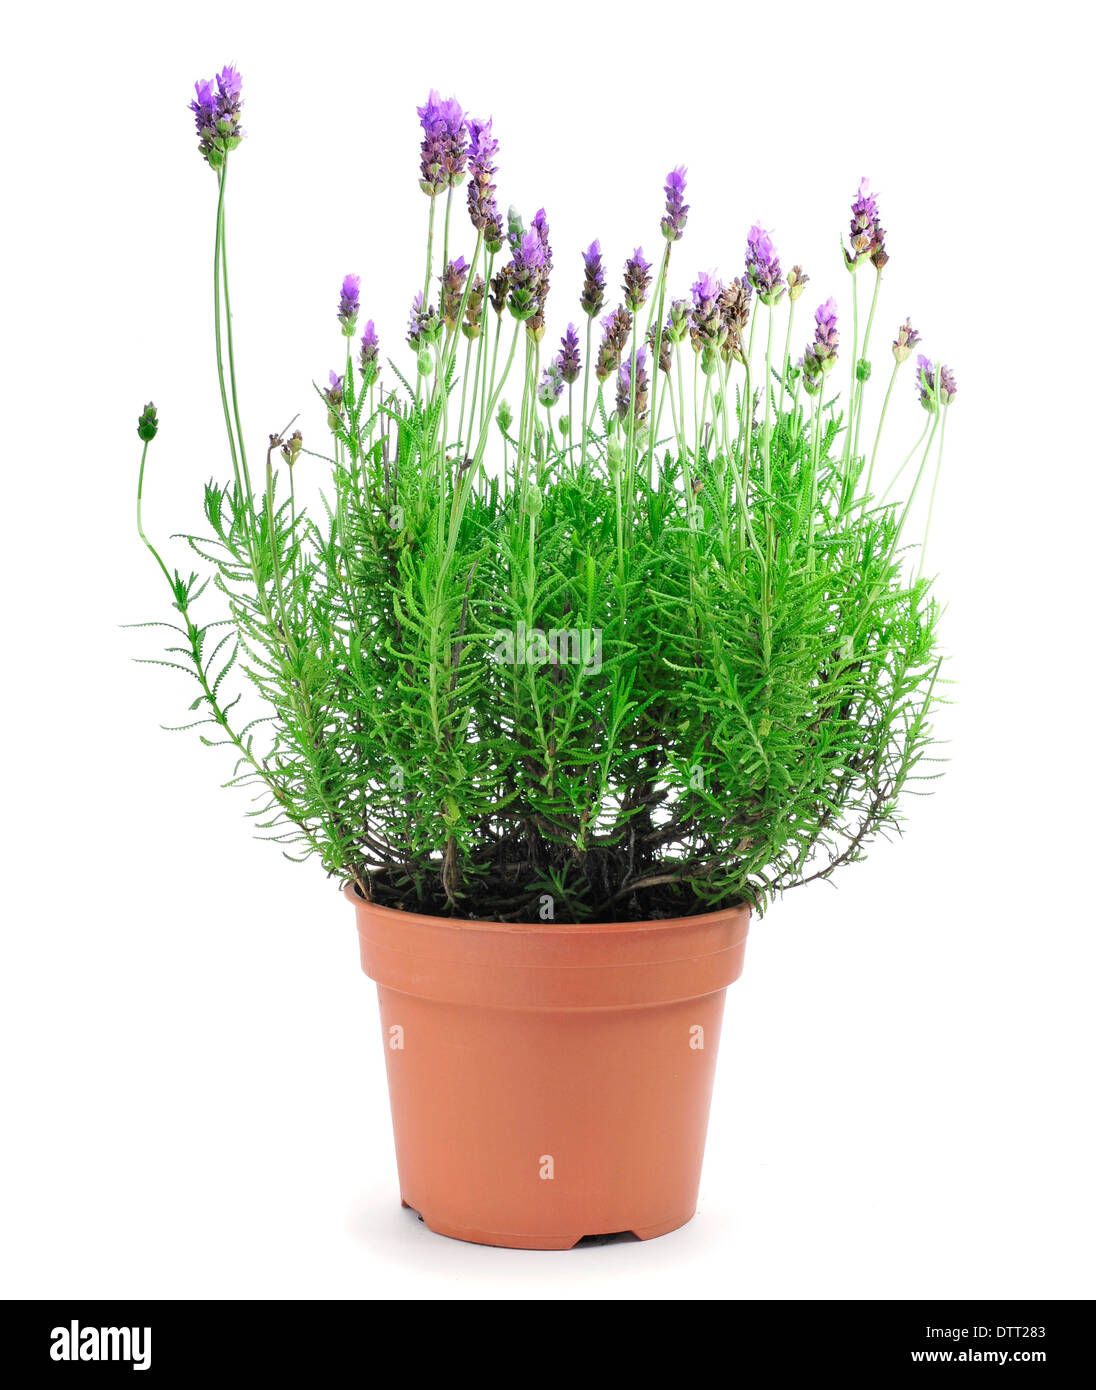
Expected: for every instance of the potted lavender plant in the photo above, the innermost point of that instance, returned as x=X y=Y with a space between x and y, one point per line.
x=562 y=694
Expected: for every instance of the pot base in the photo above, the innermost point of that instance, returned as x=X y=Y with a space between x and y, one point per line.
x=509 y=1241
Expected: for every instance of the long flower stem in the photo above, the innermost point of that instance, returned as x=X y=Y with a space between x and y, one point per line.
x=879 y=431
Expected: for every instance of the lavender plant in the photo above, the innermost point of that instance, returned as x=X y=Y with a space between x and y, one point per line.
x=654 y=658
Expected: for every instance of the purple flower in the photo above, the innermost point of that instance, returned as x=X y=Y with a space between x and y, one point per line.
x=677 y=210
x=734 y=313
x=624 y=386
x=444 y=144
x=202 y=106
x=333 y=395
x=569 y=360
x=865 y=230
x=797 y=282
x=593 y=289
x=821 y=352
x=348 y=303
x=926 y=381
x=617 y=326
x=500 y=289
x=216 y=107
x=423 y=324
x=452 y=291
x=551 y=385
x=482 y=208
x=907 y=339
x=540 y=226
x=763 y=266
x=706 y=328
x=369 y=361
x=528 y=275
x=664 y=346
x=473 y=309
x=637 y=279
x=677 y=324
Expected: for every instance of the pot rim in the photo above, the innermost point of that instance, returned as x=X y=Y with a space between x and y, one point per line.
x=392 y=915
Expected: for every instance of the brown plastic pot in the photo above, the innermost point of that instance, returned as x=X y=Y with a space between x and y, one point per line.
x=550 y=1082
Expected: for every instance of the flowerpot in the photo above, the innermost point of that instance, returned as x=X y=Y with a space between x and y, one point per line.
x=550 y=1082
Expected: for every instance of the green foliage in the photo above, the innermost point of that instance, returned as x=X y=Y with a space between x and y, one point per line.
x=715 y=681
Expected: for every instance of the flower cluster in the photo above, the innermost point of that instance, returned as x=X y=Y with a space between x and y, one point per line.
x=821 y=352
x=444 y=149
x=147 y=423
x=423 y=325
x=482 y=207
x=593 y=285
x=664 y=345
x=907 y=339
x=551 y=385
x=677 y=210
x=569 y=360
x=637 y=280
x=216 y=107
x=624 y=387
x=734 y=313
x=614 y=341
x=763 y=266
x=349 y=303
x=927 y=384
x=473 y=310
x=866 y=234
x=797 y=282
x=369 y=360
x=452 y=291
x=706 y=319
x=333 y=395
x=528 y=275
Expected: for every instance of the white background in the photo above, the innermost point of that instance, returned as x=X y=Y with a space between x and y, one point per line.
x=193 y=1084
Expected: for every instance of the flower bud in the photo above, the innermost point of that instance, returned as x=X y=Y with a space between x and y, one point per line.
x=147 y=423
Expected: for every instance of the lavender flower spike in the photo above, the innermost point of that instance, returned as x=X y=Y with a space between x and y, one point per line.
x=216 y=107
x=452 y=291
x=348 y=303
x=482 y=207
x=551 y=385
x=797 y=282
x=637 y=280
x=570 y=358
x=617 y=327
x=707 y=329
x=593 y=289
x=202 y=106
x=528 y=277
x=763 y=266
x=444 y=148
x=677 y=210
x=821 y=352
x=369 y=361
x=865 y=230
x=926 y=383
x=624 y=386
x=333 y=395
x=907 y=339
x=423 y=326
